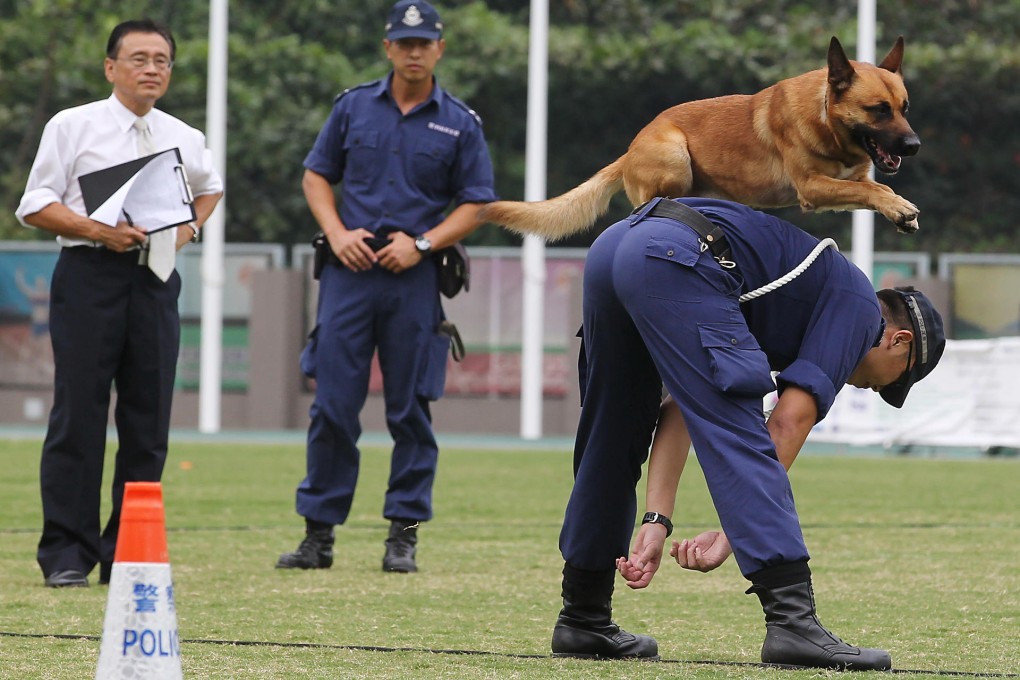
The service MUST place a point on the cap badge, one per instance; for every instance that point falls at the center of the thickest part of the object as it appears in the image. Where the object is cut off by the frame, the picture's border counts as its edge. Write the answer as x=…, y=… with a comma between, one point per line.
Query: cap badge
x=412, y=17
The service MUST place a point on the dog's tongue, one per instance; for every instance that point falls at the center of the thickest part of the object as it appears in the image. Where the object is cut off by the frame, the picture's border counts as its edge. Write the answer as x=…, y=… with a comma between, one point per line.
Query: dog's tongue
x=890, y=161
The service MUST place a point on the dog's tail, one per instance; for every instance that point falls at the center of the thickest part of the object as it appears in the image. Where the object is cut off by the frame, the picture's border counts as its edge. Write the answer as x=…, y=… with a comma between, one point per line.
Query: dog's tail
x=559, y=217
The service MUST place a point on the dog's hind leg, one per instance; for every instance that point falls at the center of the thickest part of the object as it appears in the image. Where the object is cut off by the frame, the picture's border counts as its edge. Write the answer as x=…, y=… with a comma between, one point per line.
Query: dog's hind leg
x=658, y=163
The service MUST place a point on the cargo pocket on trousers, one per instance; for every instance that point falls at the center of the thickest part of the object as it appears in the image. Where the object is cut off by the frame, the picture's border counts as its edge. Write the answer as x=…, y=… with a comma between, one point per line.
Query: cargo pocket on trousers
x=582, y=367
x=662, y=255
x=432, y=377
x=307, y=361
x=739, y=366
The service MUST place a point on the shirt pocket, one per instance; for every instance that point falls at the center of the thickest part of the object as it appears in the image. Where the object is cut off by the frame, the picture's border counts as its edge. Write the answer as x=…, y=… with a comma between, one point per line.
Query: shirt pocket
x=361, y=148
x=739, y=366
x=431, y=162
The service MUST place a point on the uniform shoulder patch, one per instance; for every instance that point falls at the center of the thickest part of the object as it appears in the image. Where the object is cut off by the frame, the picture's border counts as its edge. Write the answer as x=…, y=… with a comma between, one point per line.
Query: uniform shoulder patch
x=372, y=83
x=470, y=111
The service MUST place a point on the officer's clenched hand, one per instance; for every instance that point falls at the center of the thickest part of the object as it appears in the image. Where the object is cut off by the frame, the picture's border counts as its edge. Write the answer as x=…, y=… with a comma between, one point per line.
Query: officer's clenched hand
x=350, y=248
x=400, y=255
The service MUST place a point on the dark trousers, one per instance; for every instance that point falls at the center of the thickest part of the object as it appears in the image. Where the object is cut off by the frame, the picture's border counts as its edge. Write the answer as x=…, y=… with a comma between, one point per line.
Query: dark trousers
x=360, y=313
x=112, y=323
x=656, y=307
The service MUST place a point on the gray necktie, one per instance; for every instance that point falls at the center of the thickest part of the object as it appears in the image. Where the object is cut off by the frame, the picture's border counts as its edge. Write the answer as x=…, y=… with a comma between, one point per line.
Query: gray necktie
x=162, y=244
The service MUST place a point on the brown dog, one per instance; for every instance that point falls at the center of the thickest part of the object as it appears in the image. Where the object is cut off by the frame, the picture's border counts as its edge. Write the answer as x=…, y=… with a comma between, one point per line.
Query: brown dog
x=810, y=139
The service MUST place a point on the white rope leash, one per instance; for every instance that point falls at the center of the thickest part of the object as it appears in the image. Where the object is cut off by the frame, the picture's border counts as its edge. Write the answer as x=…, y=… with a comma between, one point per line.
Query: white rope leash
x=794, y=273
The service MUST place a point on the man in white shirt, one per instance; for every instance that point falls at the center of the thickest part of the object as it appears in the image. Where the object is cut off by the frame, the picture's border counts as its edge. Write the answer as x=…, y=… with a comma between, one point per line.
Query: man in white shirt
x=113, y=321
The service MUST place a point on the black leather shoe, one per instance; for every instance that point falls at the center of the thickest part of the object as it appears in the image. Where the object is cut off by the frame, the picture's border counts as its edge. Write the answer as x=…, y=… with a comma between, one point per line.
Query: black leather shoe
x=400, y=547
x=67, y=578
x=315, y=551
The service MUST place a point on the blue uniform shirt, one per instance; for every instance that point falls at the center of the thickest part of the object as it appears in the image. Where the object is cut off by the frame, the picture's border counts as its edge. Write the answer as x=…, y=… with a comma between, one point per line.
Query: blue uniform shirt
x=816, y=329
x=402, y=171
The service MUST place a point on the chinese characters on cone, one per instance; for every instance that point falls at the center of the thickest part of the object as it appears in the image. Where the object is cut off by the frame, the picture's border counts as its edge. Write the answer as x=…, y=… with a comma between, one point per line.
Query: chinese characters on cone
x=140, y=639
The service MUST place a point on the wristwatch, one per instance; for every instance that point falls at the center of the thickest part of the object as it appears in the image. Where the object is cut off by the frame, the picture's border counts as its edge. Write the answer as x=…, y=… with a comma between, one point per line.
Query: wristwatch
x=194, y=231
x=656, y=518
x=423, y=245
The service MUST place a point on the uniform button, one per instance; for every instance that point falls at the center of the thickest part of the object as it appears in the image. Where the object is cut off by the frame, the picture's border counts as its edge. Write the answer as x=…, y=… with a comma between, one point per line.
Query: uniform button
x=733, y=341
x=669, y=253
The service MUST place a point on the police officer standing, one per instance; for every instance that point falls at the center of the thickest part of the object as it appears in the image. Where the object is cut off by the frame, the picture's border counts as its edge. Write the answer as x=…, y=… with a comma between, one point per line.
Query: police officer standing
x=405, y=150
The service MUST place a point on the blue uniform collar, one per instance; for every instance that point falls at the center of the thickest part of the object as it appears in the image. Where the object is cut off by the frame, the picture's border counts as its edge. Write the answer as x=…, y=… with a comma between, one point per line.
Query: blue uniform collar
x=435, y=97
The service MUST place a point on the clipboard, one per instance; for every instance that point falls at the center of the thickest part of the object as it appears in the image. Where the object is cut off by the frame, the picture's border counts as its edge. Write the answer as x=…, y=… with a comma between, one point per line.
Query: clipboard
x=154, y=190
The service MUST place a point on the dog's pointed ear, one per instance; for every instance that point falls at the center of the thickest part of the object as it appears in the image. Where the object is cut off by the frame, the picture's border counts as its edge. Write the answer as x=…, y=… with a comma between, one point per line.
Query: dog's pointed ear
x=894, y=60
x=841, y=71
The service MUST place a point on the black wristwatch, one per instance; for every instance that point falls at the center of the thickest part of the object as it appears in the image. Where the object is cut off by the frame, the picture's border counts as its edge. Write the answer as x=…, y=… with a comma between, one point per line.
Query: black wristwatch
x=423, y=245
x=656, y=518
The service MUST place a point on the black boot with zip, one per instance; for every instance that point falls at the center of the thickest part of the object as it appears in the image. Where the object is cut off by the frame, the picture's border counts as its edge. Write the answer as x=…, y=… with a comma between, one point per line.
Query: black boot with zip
x=315, y=551
x=793, y=634
x=585, y=628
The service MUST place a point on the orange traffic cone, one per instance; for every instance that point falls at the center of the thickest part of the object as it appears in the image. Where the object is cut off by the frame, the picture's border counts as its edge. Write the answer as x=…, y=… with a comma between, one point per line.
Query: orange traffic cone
x=140, y=637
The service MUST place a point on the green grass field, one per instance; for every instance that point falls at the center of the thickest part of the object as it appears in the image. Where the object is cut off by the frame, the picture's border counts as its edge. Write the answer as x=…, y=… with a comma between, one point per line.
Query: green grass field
x=920, y=556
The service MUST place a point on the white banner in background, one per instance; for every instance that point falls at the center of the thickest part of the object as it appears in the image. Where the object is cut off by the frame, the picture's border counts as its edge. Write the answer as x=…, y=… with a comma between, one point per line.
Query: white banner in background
x=971, y=399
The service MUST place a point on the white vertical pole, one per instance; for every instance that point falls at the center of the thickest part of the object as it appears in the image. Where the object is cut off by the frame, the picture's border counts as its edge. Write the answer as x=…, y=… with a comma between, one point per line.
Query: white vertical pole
x=533, y=257
x=212, y=231
x=863, y=243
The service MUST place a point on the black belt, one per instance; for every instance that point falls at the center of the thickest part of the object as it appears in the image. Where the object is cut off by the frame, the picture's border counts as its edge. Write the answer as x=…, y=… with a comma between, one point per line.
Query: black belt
x=712, y=236
x=323, y=253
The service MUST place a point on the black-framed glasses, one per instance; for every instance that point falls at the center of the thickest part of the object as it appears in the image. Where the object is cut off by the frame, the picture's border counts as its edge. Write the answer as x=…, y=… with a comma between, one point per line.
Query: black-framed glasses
x=140, y=61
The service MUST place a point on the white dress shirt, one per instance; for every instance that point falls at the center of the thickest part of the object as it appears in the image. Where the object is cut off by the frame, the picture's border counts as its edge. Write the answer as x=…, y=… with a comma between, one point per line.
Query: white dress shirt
x=98, y=135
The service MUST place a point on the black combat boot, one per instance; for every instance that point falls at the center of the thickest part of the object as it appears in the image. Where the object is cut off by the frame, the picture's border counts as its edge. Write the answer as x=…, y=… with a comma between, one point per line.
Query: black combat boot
x=315, y=551
x=793, y=634
x=400, y=547
x=585, y=628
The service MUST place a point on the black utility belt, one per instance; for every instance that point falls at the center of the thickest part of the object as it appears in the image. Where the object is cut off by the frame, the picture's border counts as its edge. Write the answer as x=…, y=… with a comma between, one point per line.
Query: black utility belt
x=452, y=263
x=322, y=253
x=377, y=242
x=712, y=236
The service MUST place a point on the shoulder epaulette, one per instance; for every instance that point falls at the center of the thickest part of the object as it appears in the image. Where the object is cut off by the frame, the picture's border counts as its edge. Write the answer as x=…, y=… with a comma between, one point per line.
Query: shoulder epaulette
x=478, y=119
x=371, y=83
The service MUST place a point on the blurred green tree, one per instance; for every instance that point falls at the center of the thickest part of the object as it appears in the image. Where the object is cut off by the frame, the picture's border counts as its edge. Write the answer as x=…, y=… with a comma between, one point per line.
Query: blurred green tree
x=613, y=66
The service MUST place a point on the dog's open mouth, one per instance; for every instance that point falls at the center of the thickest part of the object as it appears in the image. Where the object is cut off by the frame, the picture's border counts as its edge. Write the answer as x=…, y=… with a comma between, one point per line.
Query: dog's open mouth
x=884, y=161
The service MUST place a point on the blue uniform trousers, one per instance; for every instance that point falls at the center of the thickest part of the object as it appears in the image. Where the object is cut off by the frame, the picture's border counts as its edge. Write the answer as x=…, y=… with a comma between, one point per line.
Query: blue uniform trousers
x=656, y=307
x=358, y=313
x=112, y=322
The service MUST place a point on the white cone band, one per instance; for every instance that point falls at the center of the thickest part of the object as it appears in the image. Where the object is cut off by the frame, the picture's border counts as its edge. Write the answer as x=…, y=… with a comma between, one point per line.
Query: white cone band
x=140, y=638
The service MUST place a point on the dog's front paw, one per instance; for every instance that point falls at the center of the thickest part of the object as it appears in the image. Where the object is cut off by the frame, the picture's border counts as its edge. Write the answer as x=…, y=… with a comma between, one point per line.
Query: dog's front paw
x=903, y=214
x=908, y=226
